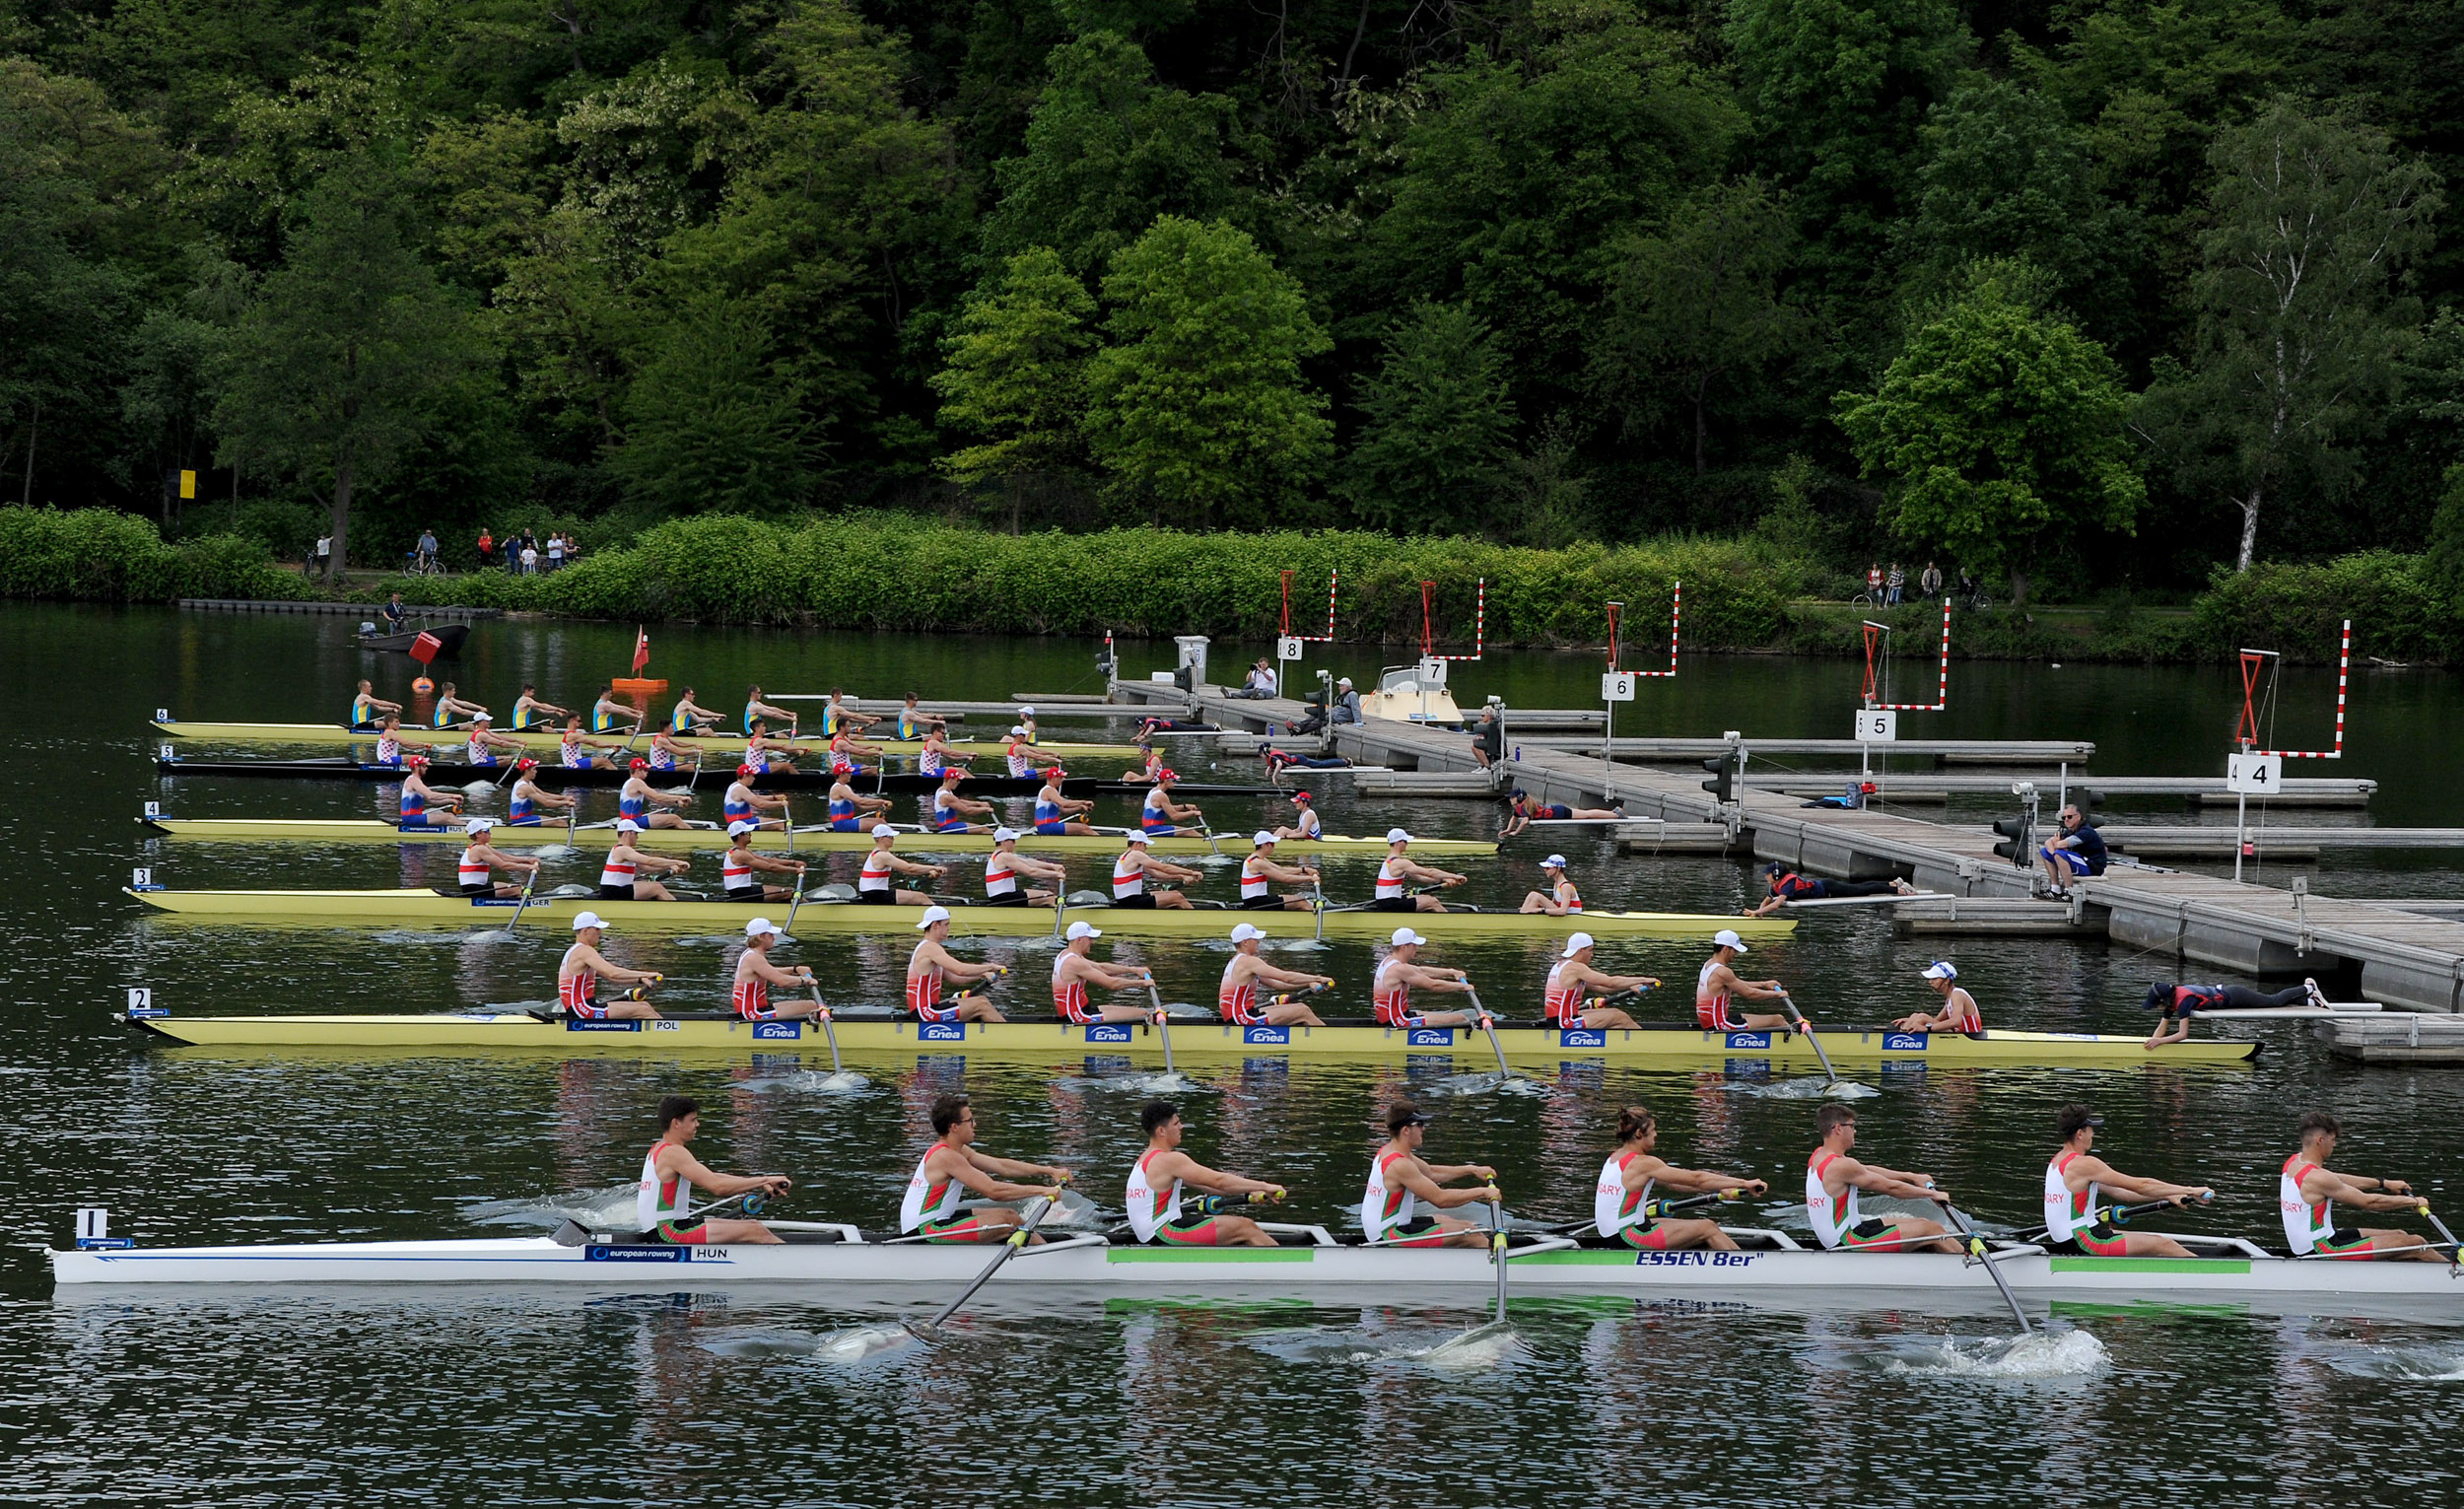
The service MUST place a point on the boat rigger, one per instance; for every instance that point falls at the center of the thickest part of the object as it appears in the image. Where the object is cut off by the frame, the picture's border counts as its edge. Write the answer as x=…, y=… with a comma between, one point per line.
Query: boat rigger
x=550, y=738
x=352, y=830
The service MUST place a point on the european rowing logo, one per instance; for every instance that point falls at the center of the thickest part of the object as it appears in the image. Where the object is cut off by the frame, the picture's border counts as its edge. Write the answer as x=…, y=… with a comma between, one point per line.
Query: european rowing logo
x=941, y=1032
x=1749, y=1039
x=1582, y=1037
x=1108, y=1032
x=778, y=1029
x=595, y=1024
x=1903, y=1042
x=1430, y=1037
x=1265, y=1034
x=662, y=1253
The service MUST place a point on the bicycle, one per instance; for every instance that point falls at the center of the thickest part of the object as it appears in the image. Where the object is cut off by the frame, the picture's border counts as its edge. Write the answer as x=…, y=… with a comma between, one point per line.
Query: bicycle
x=423, y=565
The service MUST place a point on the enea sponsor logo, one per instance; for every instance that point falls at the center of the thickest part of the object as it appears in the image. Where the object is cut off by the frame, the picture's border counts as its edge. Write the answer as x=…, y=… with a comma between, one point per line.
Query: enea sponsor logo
x=589, y=1024
x=662, y=1253
x=941, y=1032
x=1265, y=1034
x=1904, y=1042
x=1583, y=1037
x=1430, y=1037
x=762, y=1030
x=1108, y=1032
x=1760, y=1040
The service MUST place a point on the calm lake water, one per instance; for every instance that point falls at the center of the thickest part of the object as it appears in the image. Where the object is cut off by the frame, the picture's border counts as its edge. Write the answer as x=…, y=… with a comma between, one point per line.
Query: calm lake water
x=530, y=1399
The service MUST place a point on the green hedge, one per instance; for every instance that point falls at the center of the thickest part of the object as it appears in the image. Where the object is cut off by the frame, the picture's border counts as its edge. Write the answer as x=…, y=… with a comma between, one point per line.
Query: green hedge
x=97, y=555
x=2396, y=612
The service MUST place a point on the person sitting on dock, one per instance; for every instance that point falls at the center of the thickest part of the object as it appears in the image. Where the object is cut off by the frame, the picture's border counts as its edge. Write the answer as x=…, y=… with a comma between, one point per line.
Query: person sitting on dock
x=1567, y=1001
x=1237, y=997
x=1958, y=1012
x=611, y=714
x=2077, y=850
x=740, y=866
x=1717, y=990
x=530, y=713
x=1347, y=707
x=1153, y=1196
x=740, y=803
x=756, y=710
x=837, y=717
x=1621, y=1205
x=688, y=719
x=1561, y=899
x=1398, y=868
x=945, y=811
x=620, y=873
x=417, y=797
x=1305, y=823
x=1833, y=1180
x=2076, y=1176
x=577, y=980
x=849, y=812
x=1400, y=1182
x=1259, y=873
x=913, y=723
x=530, y=800
x=367, y=708
x=755, y=975
x=1787, y=885
x=452, y=710
x=390, y=743
x=1400, y=973
x=1489, y=738
x=951, y=1169
x=1523, y=811
x=1136, y=867
x=2306, y=1192
x=2178, y=1003
x=484, y=741
x=1161, y=814
x=671, y=1173
x=573, y=746
x=1004, y=866
x=873, y=885
x=1075, y=970
x=480, y=860
x=647, y=804
x=932, y=966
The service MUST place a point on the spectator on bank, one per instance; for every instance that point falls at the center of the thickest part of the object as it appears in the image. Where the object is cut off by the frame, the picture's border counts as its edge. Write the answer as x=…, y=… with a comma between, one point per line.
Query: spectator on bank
x=1898, y=580
x=324, y=553
x=556, y=551
x=428, y=546
x=1873, y=580
x=1929, y=585
x=487, y=542
x=531, y=558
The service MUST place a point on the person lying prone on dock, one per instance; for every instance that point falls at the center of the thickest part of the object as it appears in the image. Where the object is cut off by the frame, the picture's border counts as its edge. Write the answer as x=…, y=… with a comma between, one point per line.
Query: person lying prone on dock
x=1786, y=887
x=2176, y=1004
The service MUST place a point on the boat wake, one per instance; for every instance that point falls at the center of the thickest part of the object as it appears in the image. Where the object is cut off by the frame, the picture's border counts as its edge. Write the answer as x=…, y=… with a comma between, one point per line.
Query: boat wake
x=1461, y=1352
x=760, y=1344
x=813, y=1081
x=2403, y=1364
x=608, y=1209
x=2038, y=1354
x=859, y=1345
x=1800, y=1089
x=1459, y=1086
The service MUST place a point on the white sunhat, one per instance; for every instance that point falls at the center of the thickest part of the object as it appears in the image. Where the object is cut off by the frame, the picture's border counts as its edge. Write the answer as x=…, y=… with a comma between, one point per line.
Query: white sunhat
x=481, y=718
x=1727, y=938
x=1397, y=836
x=1080, y=930
x=1941, y=969
x=1026, y=711
x=1135, y=836
x=1262, y=836
x=482, y=824
x=1576, y=943
x=1342, y=681
x=740, y=827
x=626, y=825
x=1553, y=861
x=884, y=831
x=588, y=920
x=934, y=915
x=1018, y=728
x=1004, y=835
x=1404, y=937
x=761, y=924
x=1245, y=931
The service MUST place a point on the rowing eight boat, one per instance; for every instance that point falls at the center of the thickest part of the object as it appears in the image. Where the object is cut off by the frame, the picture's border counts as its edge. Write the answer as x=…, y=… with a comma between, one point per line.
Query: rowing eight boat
x=550, y=738
x=347, y=830
x=710, y=777
x=1669, y=1047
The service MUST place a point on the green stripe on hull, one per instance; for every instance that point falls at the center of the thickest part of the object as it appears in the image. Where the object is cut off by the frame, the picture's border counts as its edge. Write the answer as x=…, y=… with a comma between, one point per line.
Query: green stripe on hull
x=1208, y=1255
x=1577, y=1258
x=2152, y=1265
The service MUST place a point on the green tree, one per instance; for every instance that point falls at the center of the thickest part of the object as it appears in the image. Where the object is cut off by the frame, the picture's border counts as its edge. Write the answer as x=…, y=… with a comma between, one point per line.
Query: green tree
x=1016, y=372
x=327, y=370
x=2300, y=323
x=1197, y=406
x=1438, y=426
x=1998, y=430
x=709, y=428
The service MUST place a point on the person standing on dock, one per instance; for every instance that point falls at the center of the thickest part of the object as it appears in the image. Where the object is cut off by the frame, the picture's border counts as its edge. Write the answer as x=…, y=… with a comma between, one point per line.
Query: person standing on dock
x=1075, y=970
x=849, y=812
x=1401, y=973
x=873, y=885
x=1136, y=867
x=366, y=709
x=689, y=718
x=1305, y=823
x=529, y=801
x=2077, y=850
x=578, y=974
x=530, y=713
x=1398, y=868
x=1004, y=866
x=932, y=966
x=1958, y=1012
x=1236, y=996
x=1161, y=814
x=756, y=710
x=1833, y=1179
x=2307, y=1192
x=480, y=860
x=1561, y=899
x=951, y=1169
x=945, y=811
x=1260, y=873
x=2176, y=1004
x=1717, y=989
x=1400, y=1182
x=1786, y=887
x=740, y=867
x=2076, y=1176
x=645, y=803
x=1153, y=1196
x=1622, y=1204
x=755, y=975
x=1567, y=999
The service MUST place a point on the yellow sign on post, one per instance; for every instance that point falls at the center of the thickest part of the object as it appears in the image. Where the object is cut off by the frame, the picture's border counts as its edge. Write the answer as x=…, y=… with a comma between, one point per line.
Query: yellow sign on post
x=187, y=484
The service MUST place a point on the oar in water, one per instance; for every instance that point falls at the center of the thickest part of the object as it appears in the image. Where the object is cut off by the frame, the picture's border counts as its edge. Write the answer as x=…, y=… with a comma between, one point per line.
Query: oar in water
x=1976, y=1253
x=1317, y=895
x=1805, y=1027
x=1490, y=1027
x=821, y=1014
x=786, y=819
x=1163, y=1030
x=931, y=1330
x=1498, y=1250
x=525, y=904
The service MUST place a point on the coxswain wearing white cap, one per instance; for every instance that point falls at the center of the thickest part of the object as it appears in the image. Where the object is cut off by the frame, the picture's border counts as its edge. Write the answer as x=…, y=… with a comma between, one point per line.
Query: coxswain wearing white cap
x=620, y=875
x=1573, y=986
x=873, y=885
x=577, y=979
x=1074, y=970
x=1026, y=721
x=1401, y=973
x=481, y=859
x=1717, y=989
x=1958, y=1012
x=484, y=741
x=755, y=975
x=741, y=868
x=1005, y=872
x=930, y=967
x=1239, y=997
x=945, y=811
x=417, y=797
x=1135, y=868
x=1305, y=825
x=647, y=804
x=1561, y=899
x=742, y=805
x=1397, y=870
x=1260, y=871
x=1160, y=813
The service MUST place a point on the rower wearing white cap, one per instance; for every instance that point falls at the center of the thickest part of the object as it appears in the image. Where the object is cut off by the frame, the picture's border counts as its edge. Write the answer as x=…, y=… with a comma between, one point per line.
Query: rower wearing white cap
x=755, y=975
x=849, y=811
x=1717, y=989
x=1401, y=973
x=1398, y=868
x=481, y=859
x=1571, y=980
x=930, y=967
x=742, y=805
x=1958, y=1012
x=1056, y=813
x=1004, y=866
x=873, y=885
x=1075, y=970
x=1305, y=823
x=1019, y=753
x=1136, y=867
x=647, y=804
x=948, y=812
x=577, y=979
x=1258, y=872
x=1561, y=899
x=1237, y=996
x=739, y=868
x=484, y=741
x=1160, y=813
x=620, y=875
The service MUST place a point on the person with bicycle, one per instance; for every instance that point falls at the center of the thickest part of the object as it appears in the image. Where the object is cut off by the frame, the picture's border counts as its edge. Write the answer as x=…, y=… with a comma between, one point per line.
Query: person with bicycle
x=1873, y=583
x=425, y=560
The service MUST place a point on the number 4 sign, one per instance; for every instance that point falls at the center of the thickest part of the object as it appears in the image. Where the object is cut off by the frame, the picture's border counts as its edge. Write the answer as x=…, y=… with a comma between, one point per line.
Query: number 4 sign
x=2254, y=775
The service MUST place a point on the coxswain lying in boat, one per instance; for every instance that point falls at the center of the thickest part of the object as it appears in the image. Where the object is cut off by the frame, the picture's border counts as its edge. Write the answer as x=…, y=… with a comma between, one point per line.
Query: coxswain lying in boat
x=740, y=803
x=1259, y=873
x=481, y=859
x=2176, y=1004
x=1958, y=1012
x=951, y=1169
x=1398, y=868
x=1161, y=814
x=2306, y=1191
x=1833, y=1180
x=418, y=797
x=484, y=741
x=1305, y=823
x=1004, y=866
x=1575, y=996
x=945, y=811
x=452, y=710
x=390, y=743
x=741, y=868
x=670, y=1175
x=755, y=975
x=648, y=806
x=530, y=713
x=1622, y=1209
x=873, y=886
x=1787, y=885
x=1238, y=997
x=1717, y=989
x=1523, y=811
x=1401, y=973
x=1156, y=1181
x=530, y=800
x=620, y=875
x=1075, y=970
x=1056, y=813
x=930, y=967
x=849, y=811
x=577, y=980
x=574, y=747
x=690, y=718
x=1561, y=899
x=367, y=708
x=1400, y=1182
x=2075, y=1176
x=1136, y=867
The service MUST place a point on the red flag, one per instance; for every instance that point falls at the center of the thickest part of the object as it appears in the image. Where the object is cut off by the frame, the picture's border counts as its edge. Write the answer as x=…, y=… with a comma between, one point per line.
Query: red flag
x=641, y=648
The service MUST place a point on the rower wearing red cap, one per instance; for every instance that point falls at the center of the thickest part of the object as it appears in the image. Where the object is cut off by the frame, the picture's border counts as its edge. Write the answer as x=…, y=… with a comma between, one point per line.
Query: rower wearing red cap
x=530, y=800
x=646, y=806
x=1056, y=813
x=416, y=797
x=945, y=811
x=743, y=805
x=1305, y=824
x=849, y=812
x=1159, y=816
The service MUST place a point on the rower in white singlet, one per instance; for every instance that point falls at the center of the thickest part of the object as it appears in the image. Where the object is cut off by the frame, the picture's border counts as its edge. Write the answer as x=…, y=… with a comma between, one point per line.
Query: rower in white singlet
x=670, y=1174
x=951, y=1169
x=1260, y=873
x=1248, y=971
x=1575, y=990
x=1400, y=1182
x=579, y=973
x=476, y=871
x=1305, y=823
x=1154, y=1193
x=1006, y=872
x=1717, y=990
x=1400, y=973
x=620, y=873
x=1622, y=1210
x=2075, y=1176
x=1075, y=970
x=1561, y=899
x=931, y=967
x=1397, y=870
x=1136, y=867
x=741, y=867
x=1958, y=1011
x=876, y=884
x=1832, y=1180
x=2306, y=1191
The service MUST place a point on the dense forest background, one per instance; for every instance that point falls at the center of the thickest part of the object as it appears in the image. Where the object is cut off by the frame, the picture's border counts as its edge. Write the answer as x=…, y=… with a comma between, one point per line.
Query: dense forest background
x=2099, y=294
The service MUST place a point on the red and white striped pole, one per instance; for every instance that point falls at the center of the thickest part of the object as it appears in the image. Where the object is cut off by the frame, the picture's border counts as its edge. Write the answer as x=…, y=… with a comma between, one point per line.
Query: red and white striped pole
x=1677, y=605
x=1942, y=685
x=2344, y=677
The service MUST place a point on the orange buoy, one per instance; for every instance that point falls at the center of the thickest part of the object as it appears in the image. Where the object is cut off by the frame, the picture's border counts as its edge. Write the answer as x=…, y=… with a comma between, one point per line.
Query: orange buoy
x=424, y=687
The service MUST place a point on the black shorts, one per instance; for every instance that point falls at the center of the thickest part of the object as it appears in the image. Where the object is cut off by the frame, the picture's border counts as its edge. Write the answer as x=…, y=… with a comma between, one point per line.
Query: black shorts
x=616, y=893
x=754, y=892
x=1014, y=899
x=481, y=888
x=1395, y=904
x=1263, y=903
x=878, y=898
x=1141, y=901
